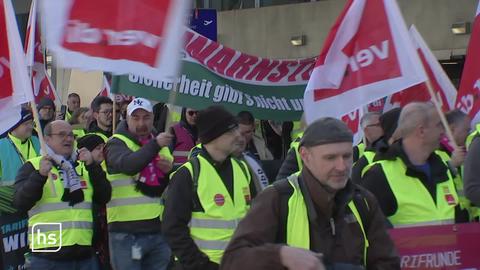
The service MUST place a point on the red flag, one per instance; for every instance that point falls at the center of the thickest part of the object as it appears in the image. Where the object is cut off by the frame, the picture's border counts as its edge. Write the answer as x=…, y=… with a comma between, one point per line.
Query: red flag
x=367, y=55
x=441, y=84
x=352, y=120
x=105, y=91
x=41, y=83
x=142, y=37
x=14, y=86
x=468, y=98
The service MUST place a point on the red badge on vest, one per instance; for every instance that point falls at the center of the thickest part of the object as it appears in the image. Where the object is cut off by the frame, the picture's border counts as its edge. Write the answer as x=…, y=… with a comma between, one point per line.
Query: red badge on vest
x=219, y=199
x=83, y=184
x=449, y=197
x=54, y=176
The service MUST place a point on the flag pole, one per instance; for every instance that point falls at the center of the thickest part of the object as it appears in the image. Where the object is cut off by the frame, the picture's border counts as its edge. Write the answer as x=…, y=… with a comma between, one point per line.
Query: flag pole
x=43, y=145
x=448, y=131
x=114, y=115
x=171, y=100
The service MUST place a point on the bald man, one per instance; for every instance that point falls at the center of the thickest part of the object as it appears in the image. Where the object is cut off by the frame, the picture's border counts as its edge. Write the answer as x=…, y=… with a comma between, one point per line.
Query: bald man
x=411, y=181
x=57, y=191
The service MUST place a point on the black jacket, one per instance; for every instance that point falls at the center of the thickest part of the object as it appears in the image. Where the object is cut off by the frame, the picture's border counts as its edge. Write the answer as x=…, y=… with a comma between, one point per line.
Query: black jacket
x=379, y=146
x=120, y=159
x=376, y=182
x=29, y=189
x=179, y=206
x=289, y=165
x=94, y=128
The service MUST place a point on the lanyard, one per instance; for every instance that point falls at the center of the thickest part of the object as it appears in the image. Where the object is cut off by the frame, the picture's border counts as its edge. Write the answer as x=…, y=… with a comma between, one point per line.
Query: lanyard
x=18, y=151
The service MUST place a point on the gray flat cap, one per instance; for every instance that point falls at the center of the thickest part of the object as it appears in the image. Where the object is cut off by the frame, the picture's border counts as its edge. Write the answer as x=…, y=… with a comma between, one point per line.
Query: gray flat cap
x=326, y=130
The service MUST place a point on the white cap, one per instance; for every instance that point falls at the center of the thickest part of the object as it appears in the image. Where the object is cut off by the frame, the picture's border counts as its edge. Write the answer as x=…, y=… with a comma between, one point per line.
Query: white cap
x=139, y=103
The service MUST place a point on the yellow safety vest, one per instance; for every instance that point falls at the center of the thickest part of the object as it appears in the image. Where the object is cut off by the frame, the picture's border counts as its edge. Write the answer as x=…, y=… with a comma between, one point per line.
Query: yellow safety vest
x=128, y=204
x=415, y=206
x=472, y=135
x=294, y=146
x=361, y=149
x=78, y=132
x=212, y=229
x=50, y=211
x=298, y=231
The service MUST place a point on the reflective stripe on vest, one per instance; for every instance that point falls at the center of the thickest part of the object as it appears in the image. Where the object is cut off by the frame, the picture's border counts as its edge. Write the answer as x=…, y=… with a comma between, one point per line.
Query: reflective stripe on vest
x=57, y=206
x=298, y=231
x=127, y=203
x=184, y=143
x=76, y=220
x=212, y=229
x=427, y=223
x=64, y=225
x=415, y=205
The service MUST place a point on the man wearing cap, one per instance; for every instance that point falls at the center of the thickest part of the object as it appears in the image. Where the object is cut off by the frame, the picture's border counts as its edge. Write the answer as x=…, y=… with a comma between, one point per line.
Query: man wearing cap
x=15, y=149
x=208, y=195
x=316, y=218
x=138, y=162
x=46, y=111
x=95, y=145
x=58, y=190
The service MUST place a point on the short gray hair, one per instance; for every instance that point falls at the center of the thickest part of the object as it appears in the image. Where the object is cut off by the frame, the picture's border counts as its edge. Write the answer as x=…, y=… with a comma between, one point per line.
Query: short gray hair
x=367, y=118
x=413, y=115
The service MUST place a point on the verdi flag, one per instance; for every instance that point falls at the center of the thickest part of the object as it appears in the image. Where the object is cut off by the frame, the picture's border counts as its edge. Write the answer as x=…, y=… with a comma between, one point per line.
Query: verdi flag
x=35, y=58
x=468, y=98
x=442, y=86
x=14, y=87
x=367, y=55
x=119, y=36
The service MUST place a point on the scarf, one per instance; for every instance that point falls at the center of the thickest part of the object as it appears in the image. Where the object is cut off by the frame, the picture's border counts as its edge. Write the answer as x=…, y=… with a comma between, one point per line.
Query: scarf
x=71, y=181
x=151, y=181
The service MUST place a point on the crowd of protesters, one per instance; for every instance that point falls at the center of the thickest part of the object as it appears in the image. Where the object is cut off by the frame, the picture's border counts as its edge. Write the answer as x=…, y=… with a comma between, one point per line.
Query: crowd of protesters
x=213, y=189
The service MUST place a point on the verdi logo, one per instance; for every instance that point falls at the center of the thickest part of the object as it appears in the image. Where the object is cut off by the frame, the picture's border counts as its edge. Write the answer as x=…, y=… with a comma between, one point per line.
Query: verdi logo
x=45, y=235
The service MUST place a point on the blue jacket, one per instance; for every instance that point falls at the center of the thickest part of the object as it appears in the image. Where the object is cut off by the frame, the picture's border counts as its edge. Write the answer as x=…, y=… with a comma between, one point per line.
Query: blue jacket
x=10, y=162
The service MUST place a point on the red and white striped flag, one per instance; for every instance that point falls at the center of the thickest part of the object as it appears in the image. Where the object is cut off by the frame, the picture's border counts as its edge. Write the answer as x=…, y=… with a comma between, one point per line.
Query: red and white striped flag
x=367, y=55
x=105, y=91
x=442, y=86
x=119, y=36
x=352, y=120
x=35, y=58
x=468, y=98
x=14, y=87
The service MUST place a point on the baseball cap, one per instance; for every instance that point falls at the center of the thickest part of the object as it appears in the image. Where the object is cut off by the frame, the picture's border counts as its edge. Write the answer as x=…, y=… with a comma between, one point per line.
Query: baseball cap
x=139, y=103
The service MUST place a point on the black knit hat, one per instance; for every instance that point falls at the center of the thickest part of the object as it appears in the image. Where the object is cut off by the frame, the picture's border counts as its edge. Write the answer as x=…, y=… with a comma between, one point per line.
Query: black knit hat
x=213, y=122
x=25, y=116
x=326, y=130
x=389, y=121
x=89, y=141
x=45, y=101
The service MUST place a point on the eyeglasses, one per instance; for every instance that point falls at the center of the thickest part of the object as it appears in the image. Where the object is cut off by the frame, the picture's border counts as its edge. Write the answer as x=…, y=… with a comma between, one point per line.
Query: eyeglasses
x=109, y=112
x=192, y=113
x=63, y=135
x=374, y=125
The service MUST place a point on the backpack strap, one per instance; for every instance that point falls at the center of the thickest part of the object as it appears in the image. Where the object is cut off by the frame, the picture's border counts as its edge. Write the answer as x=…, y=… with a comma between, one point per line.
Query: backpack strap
x=196, y=172
x=284, y=190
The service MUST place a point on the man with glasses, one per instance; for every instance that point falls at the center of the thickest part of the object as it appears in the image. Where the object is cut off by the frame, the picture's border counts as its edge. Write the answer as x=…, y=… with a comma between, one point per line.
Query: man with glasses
x=372, y=131
x=58, y=190
x=16, y=147
x=102, y=108
x=208, y=195
x=46, y=111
